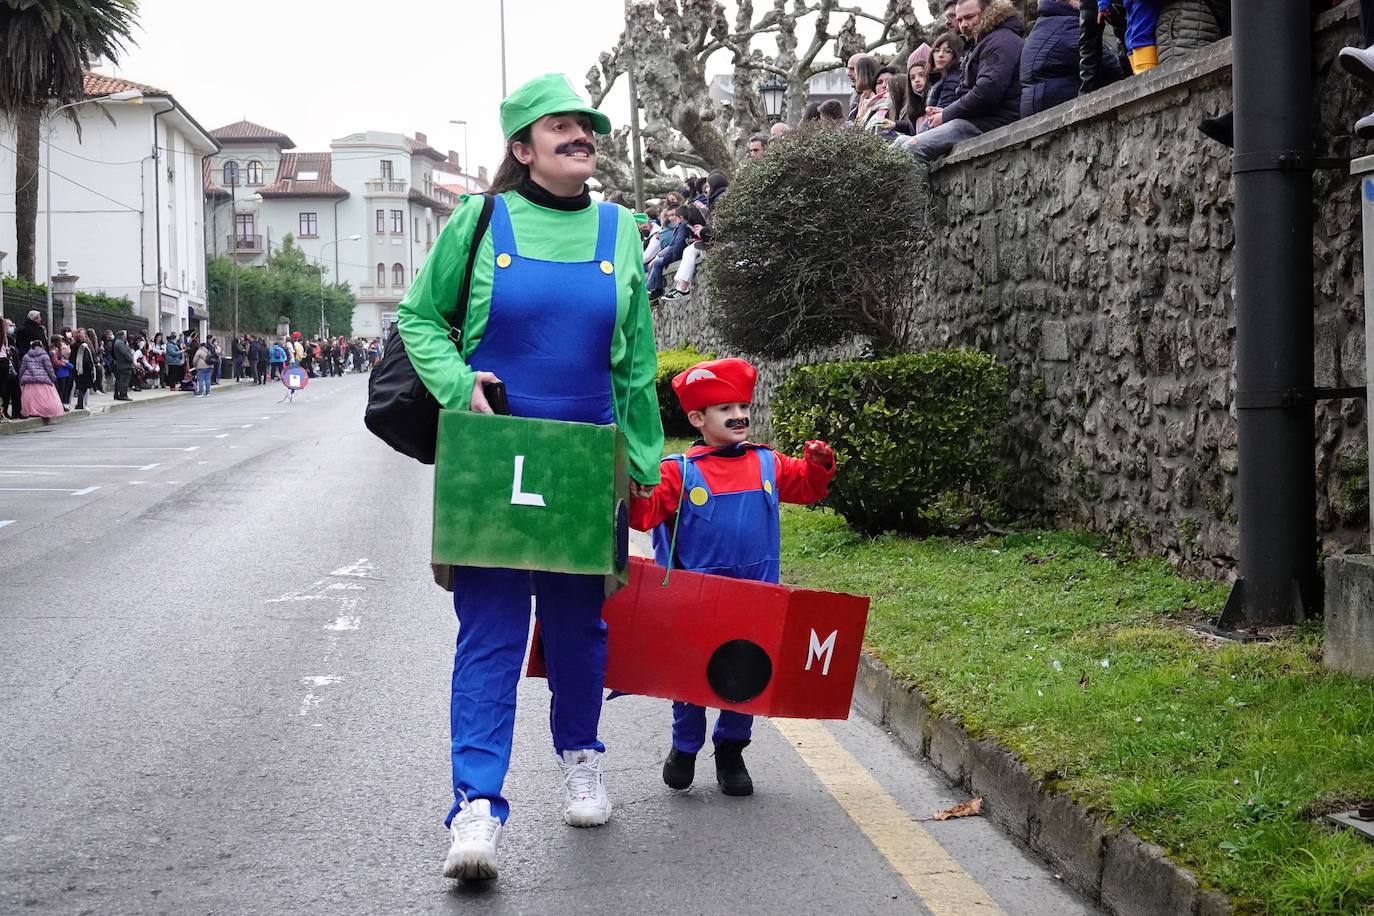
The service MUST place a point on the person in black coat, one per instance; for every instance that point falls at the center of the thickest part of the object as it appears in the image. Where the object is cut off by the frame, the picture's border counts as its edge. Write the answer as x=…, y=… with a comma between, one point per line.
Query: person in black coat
x=32, y=329
x=943, y=79
x=1050, y=70
x=990, y=90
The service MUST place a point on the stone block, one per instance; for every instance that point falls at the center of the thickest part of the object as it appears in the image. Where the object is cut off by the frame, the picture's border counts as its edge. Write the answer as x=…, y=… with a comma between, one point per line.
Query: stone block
x=871, y=689
x=1071, y=839
x=908, y=718
x=1139, y=880
x=948, y=748
x=1348, y=632
x=1213, y=903
x=1054, y=341
x=1008, y=789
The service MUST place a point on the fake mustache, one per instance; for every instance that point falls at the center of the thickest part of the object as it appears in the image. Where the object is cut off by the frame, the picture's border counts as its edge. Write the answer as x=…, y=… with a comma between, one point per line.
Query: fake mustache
x=564, y=149
x=741, y=423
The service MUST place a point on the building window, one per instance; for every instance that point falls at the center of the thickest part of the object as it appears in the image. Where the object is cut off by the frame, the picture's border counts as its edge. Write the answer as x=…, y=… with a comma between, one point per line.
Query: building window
x=254, y=172
x=243, y=230
x=417, y=227
x=381, y=222
x=386, y=168
x=381, y=275
x=398, y=275
x=309, y=227
x=398, y=222
x=429, y=233
x=231, y=174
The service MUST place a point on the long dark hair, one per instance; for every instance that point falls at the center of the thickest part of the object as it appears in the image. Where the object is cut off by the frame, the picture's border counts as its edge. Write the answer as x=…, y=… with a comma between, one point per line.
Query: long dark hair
x=956, y=47
x=915, y=107
x=866, y=74
x=898, y=92
x=512, y=173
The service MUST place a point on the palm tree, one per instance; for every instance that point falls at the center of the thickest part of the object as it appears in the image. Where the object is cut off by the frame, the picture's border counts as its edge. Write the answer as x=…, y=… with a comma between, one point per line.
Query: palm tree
x=46, y=47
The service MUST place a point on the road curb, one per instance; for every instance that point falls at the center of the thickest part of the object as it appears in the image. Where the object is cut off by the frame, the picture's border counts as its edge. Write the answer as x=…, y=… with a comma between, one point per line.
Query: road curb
x=19, y=426
x=1110, y=865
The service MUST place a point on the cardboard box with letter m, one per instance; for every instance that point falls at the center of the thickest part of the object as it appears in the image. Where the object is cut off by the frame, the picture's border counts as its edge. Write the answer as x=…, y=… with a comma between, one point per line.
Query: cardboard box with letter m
x=753, y=647
x=530, y=494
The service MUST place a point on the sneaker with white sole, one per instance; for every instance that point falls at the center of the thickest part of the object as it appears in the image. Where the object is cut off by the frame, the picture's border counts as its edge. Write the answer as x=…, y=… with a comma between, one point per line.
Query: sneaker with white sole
x=476, y=834
x=585, y=803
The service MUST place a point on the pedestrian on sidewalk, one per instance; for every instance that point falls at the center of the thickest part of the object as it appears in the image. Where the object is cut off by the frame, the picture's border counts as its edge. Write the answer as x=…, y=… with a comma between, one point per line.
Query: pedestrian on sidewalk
x=238, y=353
x=175, y=357
x=278, y=358
x=9, y=372
x=123, y=366
x=728, y=526
x=216, y=358
x=83, y=367
x=203, y=365
x=589, y=360
x=38, y=383
x=62, y=368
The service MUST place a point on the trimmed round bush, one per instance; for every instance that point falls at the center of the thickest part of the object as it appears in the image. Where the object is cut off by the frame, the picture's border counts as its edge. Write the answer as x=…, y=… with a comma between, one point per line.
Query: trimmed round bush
x=915, y=435
x=670, y=363
x=816, y=243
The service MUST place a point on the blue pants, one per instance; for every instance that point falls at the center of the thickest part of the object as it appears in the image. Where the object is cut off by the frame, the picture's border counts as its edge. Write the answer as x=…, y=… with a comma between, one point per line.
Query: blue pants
x=493, y=607
x=655, y=279
x=203, y=381
x=689, y=727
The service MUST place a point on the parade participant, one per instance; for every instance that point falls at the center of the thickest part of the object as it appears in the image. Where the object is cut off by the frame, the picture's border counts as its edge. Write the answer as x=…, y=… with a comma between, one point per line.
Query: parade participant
x=716, y=511
x=558, y=312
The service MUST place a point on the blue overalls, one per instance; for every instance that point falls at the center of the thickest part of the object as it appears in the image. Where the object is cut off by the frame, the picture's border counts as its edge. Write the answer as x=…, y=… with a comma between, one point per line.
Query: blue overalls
x=548, y=337
x=730, y=534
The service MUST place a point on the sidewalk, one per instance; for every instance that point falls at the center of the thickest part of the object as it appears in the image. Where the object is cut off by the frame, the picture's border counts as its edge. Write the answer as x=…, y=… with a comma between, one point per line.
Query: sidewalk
x=105, y=403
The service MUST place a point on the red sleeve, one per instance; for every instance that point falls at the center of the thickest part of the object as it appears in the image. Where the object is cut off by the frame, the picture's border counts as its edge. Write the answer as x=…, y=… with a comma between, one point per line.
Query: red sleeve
x=800, y=481
x=647, y=514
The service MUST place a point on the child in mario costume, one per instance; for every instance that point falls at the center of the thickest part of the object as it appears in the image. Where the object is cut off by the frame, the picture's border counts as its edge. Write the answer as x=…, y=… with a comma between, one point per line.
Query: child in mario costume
x=716, y=511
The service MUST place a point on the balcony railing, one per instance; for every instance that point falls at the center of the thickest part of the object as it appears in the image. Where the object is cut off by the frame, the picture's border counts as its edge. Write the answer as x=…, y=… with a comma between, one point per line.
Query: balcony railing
x=245, y=244
x=380, y=292
x=386, y=184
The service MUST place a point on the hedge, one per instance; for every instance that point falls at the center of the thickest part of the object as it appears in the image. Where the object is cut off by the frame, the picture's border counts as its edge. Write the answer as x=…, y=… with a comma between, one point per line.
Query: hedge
x=670, y=363
x=916, y=435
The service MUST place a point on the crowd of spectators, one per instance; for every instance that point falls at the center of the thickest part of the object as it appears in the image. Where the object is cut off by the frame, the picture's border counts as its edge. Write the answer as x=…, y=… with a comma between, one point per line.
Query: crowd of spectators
x=679, y=231
x=41, y=374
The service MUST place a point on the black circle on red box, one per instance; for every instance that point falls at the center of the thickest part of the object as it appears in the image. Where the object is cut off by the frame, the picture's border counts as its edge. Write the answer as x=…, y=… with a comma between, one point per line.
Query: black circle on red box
x=739, y=670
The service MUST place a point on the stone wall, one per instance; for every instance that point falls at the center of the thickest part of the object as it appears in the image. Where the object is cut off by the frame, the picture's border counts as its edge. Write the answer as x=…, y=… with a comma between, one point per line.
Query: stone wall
x=1090, y=248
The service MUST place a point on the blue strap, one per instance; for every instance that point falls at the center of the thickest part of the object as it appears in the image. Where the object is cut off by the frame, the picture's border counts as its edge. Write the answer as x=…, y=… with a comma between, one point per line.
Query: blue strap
x=502, y=236
x=608, y=220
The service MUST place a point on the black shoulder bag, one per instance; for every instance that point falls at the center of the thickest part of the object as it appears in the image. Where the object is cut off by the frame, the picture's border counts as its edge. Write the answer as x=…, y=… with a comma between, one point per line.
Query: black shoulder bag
x=400, y=410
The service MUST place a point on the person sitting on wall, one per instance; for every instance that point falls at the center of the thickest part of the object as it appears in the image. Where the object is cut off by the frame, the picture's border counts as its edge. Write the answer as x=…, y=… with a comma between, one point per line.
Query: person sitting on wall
x=715, y=510
x=1050, y=65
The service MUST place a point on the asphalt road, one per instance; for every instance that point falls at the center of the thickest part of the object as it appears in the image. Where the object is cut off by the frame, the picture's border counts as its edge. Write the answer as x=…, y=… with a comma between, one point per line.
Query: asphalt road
x=224, y=689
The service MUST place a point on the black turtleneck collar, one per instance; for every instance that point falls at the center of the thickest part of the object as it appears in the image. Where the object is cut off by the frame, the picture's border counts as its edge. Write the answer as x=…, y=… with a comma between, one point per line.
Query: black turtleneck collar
x=537, y=194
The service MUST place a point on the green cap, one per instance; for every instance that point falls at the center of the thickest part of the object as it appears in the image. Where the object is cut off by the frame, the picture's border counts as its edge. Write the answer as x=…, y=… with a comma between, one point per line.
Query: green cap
x=641, y=217
x=552, y=93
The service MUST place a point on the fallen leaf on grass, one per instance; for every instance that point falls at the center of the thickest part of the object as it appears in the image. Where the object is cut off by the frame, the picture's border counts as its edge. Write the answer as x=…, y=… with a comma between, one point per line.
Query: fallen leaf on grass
x=970, y=808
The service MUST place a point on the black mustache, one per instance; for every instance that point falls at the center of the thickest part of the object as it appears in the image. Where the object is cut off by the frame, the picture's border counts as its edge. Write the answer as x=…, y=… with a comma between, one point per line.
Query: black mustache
x=742, y=423
x=564, y=148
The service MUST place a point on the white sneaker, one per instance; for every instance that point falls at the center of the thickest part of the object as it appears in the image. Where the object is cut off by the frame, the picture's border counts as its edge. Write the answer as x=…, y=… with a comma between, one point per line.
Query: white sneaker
x=476, y=834
x=585, y=803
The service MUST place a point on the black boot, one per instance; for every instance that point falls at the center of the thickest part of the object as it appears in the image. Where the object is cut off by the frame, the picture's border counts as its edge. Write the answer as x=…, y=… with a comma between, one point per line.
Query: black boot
x=679, y=769
x=730, y=770
x=1222, y=128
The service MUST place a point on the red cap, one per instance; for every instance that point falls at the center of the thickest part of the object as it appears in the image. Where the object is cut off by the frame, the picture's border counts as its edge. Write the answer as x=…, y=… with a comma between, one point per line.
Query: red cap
x=295, y=335
x=715, y=381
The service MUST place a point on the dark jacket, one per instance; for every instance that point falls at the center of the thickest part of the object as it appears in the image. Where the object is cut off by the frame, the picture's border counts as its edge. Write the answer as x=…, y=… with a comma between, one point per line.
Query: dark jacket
x=257, y=353
x=990, y=91
x=36, y=368
x=123, y=356
x=27, y=333
x=945, y=90
x=83, y=366
x=1049, y=61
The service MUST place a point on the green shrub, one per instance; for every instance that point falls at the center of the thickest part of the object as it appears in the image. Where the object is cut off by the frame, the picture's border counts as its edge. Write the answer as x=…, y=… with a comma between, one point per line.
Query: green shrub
x=915, y=435
x=670, y=363
x=121, y=304
x=817, y=242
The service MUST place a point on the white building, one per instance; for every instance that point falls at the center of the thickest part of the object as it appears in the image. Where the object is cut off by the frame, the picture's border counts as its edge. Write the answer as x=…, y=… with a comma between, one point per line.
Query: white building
x=383, y=187
x=127, y=202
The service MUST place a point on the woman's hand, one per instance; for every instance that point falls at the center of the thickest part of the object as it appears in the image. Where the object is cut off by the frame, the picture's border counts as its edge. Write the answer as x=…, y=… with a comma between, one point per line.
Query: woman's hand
x=641, y=490
x=478, y=402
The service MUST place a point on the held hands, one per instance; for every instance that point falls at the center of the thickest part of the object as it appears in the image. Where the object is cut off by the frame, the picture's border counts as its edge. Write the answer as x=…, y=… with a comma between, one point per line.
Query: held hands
x=935, y=116
x=820, y=454
x=641, y=490
x=478, y=402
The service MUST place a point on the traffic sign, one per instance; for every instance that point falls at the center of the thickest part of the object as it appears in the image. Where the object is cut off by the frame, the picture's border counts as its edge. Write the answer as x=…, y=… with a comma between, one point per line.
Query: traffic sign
x=295, y=378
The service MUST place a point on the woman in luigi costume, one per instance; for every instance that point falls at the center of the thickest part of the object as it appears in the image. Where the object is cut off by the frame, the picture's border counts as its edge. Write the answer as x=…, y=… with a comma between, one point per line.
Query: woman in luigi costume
x=558, y=311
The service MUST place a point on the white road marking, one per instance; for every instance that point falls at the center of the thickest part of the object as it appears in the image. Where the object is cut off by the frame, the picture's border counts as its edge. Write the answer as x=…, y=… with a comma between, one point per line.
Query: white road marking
x=30, y=473
x=246, y=426
x=362, y=569
x=346, y=587
x=85, y=491
x=10, y=521
x=136, y=467
x=132, y=448
x=346, y=622
x=67, y=490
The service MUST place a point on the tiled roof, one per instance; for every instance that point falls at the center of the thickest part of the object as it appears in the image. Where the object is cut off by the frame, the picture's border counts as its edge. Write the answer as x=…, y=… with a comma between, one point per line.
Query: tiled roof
x=292, y=164
x=248, y=132
x=97, y=84
x=418, y=148
x=415, y=197
x=212, y=190
x=471, y=185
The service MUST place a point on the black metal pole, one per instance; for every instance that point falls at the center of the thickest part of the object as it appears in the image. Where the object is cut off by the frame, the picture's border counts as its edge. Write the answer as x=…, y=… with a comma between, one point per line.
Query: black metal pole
x=1274, y=316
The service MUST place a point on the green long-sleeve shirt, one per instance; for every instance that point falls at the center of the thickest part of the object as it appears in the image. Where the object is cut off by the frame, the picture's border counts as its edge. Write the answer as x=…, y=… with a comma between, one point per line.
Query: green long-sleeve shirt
x=548, y=235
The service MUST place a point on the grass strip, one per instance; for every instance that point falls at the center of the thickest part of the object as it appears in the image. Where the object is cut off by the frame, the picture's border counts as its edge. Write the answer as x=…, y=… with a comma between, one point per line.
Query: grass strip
x=1077, y=657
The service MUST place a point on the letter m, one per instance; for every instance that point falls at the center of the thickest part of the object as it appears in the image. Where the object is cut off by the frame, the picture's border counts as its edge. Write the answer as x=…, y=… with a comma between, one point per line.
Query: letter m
x=821, y=651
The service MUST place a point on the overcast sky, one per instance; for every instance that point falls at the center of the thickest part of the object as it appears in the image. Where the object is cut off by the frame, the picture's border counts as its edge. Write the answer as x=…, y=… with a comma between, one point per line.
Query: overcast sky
x=317, y=71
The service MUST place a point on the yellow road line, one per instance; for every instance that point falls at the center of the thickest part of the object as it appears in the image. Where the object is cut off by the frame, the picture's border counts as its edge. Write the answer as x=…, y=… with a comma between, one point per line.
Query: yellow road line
x=941, y=883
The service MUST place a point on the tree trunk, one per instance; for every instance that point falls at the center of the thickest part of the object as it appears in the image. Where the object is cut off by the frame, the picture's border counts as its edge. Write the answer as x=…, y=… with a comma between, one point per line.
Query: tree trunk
x=26, y=181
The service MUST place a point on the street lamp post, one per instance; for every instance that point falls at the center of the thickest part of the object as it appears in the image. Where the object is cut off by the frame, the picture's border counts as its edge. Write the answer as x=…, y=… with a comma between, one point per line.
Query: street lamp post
x=773, y=91
x=347, y=238
x=234, y=247
x=133, y=96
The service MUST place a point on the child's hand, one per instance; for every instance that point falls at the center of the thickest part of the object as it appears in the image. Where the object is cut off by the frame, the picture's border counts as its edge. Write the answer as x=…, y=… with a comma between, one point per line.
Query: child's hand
x=820, y=454
x=641, y=490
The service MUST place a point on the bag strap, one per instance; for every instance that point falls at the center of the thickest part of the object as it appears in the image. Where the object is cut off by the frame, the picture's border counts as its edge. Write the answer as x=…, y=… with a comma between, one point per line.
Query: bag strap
x=455, y=329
